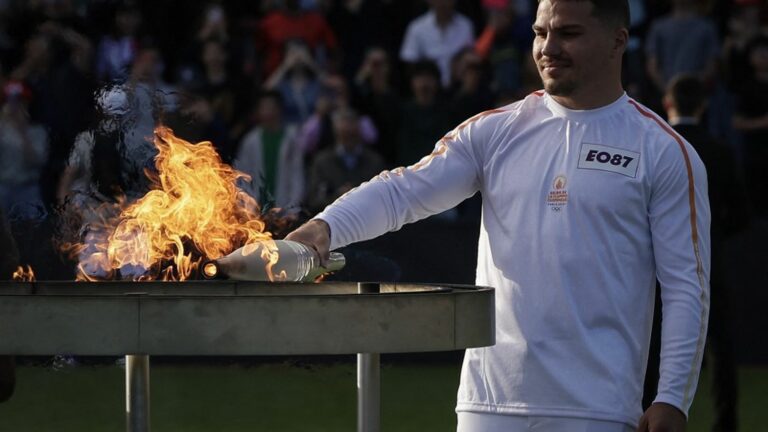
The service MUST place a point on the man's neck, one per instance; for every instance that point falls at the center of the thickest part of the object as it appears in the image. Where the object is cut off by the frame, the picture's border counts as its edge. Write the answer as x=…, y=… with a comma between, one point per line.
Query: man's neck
x=379, y=84
x=586, y=100
x=216, y=74
x=348, y=148
x=443, y=19
x=271, y=127
x=424, y=100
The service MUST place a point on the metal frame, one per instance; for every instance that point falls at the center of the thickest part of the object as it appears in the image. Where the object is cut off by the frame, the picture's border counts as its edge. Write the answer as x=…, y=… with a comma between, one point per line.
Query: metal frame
x=137, y=393
x=204, y=318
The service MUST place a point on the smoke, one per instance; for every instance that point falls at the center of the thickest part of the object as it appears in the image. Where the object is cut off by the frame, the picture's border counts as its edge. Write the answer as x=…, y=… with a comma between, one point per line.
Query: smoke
x=109, y=167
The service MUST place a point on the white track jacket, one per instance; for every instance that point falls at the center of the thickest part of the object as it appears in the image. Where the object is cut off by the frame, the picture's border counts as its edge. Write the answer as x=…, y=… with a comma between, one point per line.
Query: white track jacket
x=582, y=212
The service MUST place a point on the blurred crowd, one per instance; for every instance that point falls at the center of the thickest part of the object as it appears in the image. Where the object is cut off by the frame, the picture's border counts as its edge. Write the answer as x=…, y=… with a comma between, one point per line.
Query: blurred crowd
x=312, y=97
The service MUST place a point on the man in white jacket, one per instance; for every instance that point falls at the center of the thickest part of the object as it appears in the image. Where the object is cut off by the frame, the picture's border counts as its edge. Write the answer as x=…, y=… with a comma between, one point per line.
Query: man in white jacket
x=270, y=155
x=588, y=198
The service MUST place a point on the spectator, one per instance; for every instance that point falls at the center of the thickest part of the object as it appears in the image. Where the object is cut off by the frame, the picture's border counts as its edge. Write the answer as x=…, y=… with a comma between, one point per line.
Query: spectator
x=743, y=26
x=437, y=36
x=633, y=70
x=217, y=86
x=379, y=99
x=751, y=120
x=23, y=153
x=56, y=69
x=96, y=172
x=471, y=94
x=195, y=120
x=31, y=15
x=336, y=170
x=107, y=166
x=318, y=132
x=117, y=51
x=358, y=24
x=289, y=23
x=504, y=44
x=270, y=155
x=196, y=55
x=682, y=41
x=297, y=80
x=424, y=119
x=215, y=25
x=149, y=96
x=685, y=104
x=110, y=158
x=147, y=70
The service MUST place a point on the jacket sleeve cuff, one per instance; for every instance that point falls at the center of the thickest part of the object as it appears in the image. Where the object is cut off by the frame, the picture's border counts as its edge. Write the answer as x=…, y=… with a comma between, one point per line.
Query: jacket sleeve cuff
x=671, y=400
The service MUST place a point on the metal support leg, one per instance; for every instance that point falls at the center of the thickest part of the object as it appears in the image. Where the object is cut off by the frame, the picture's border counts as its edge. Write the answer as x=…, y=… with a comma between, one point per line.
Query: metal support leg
x=368, y=393
x=137, y=393
x=368, y=382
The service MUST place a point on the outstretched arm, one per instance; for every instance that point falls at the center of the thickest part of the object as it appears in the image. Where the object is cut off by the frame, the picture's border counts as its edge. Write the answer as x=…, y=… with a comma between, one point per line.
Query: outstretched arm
x=437, y=183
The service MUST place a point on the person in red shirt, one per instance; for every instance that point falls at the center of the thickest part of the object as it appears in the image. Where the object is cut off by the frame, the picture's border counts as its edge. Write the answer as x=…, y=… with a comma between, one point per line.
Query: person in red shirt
x=290, y=23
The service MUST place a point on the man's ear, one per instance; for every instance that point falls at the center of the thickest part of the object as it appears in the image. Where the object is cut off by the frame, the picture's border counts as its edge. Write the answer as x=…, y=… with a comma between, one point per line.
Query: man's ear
x=620, y=41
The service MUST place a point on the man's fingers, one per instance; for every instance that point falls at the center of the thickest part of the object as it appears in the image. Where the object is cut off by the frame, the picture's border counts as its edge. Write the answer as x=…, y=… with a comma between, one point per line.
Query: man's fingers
x=323, y=256
x=643, y=426
x=316, y=235
x=662, y=417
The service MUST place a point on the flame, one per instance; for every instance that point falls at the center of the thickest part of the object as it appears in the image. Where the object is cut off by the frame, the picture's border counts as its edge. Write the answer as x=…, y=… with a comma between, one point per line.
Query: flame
x=194, y=212
x=24, y=275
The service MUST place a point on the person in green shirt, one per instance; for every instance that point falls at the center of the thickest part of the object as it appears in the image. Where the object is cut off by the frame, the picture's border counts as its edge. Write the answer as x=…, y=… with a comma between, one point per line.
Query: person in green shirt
x=270, y=155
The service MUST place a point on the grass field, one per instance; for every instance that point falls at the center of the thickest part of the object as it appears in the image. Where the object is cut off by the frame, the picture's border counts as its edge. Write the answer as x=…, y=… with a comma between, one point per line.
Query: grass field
x=278, y=397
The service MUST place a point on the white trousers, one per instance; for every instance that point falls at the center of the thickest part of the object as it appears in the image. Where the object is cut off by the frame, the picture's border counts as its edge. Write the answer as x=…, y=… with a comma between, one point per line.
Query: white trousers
x=485, y=422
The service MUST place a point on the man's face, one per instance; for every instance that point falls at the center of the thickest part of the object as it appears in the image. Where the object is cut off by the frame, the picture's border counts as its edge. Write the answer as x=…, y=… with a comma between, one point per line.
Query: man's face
x=347, y=131
x=269, y=111
x=424, y=86
x=214, y=54
x=572, y=48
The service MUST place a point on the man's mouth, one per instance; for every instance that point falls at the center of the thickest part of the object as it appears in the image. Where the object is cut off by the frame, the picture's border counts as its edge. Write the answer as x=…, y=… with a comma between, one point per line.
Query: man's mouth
x=548, y=64
x=553, y=68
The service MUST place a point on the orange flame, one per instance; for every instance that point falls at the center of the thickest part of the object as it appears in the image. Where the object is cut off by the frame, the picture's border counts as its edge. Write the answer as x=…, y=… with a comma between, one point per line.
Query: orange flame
x=24, y=275
x=194, y=211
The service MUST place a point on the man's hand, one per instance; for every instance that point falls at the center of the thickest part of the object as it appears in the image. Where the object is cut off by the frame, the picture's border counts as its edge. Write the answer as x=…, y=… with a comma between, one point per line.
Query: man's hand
x=662, y=417
x=315, y=234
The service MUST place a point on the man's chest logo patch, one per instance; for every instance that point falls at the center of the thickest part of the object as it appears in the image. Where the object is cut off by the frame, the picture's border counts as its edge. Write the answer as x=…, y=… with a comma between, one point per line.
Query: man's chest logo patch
x=605, y=158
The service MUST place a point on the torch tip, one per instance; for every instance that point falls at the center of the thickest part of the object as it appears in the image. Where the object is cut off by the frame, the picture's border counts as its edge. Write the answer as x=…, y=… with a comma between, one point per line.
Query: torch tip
x=210, y=270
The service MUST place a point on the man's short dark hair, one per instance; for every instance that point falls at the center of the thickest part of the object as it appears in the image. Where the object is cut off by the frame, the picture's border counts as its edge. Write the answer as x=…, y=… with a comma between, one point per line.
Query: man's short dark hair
x=687, y=94
x=610, y=11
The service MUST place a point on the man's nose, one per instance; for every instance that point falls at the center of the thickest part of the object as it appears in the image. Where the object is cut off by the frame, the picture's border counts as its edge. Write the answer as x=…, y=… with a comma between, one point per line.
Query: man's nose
x=551, y=46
